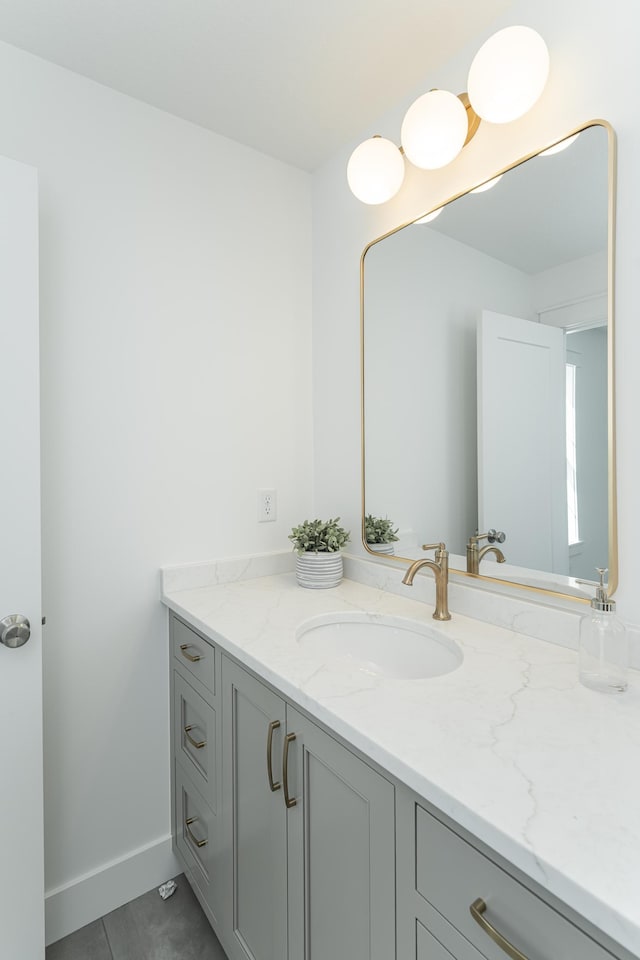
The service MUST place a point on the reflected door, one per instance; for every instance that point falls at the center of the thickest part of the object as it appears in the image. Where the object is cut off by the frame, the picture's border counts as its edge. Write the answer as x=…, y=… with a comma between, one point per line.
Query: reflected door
x=522, y=477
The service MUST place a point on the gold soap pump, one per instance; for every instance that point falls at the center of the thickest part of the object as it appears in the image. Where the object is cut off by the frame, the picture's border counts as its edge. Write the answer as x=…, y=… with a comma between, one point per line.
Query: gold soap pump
x=603, y=645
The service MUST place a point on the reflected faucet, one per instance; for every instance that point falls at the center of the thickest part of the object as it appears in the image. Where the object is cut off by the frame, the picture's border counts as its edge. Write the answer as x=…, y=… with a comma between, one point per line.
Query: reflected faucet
x=475, y=554
x=440, y=567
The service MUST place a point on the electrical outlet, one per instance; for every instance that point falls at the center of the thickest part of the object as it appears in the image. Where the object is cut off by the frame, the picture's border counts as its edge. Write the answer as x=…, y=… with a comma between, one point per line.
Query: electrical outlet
x=267, y=505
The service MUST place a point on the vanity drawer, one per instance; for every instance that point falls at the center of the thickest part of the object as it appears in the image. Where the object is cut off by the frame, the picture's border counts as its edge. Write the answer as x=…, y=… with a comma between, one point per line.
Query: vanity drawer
x=194, y=653
x=195, y=737
x=452, y=875
x=196, y=838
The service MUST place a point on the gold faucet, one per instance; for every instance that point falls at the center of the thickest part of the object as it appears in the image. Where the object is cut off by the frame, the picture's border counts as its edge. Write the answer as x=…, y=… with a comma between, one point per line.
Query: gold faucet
x=440, y=567
x=475, y=555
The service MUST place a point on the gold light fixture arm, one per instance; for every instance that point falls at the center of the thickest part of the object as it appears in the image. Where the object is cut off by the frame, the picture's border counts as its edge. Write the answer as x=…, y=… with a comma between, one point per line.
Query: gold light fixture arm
x=473, y=120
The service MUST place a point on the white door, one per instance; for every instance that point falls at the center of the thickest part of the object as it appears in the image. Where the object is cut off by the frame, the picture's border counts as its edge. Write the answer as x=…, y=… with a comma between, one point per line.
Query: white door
x=522, y=472
x=21, y=811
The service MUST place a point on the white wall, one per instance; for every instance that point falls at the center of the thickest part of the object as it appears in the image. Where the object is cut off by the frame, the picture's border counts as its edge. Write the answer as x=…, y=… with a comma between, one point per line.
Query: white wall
x=557, y=289
x=175, y=316
x=425, y=289
x=593, y=54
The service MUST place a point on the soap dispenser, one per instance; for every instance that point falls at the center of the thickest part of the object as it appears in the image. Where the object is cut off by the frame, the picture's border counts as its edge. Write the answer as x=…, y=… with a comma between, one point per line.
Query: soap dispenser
x=604, y=646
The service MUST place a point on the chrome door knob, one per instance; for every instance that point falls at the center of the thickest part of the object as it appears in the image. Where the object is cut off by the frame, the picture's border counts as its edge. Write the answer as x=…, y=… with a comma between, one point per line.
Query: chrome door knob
x=14, y=630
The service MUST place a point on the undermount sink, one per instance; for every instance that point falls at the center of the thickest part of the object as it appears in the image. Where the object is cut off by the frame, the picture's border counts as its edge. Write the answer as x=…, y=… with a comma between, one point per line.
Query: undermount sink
x=381, y=646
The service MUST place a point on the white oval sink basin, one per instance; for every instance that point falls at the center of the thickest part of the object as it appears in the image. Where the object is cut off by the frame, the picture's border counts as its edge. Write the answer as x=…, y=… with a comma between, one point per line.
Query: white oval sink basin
x=381, y=646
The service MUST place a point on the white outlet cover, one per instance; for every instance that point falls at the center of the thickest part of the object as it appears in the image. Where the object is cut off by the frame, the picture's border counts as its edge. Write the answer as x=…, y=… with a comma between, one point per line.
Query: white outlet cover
x=267, y=505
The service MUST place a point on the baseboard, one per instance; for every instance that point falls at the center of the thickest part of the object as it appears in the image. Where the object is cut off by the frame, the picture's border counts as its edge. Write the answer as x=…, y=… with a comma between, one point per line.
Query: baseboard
x=84, y=899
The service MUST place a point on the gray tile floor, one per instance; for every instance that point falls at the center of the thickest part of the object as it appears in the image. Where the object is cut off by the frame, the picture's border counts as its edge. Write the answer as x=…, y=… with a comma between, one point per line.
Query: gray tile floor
x=148, y=928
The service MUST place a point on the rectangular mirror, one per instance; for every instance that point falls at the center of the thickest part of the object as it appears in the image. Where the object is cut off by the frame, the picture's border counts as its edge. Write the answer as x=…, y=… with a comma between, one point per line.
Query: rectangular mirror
x=487, y=374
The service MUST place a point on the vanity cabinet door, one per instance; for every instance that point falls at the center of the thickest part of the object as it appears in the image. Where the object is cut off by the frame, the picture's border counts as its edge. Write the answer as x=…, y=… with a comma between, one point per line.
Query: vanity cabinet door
x=341, y=834
x=254, y=819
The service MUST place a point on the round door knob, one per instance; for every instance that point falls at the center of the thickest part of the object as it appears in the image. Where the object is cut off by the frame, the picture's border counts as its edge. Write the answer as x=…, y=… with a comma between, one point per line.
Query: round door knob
x=14, y=630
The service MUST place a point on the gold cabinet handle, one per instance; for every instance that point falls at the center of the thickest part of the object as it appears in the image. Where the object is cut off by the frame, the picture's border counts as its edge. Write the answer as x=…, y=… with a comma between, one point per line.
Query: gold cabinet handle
x=477, y=909
x=288, y=801
x=192, y=837
x=273, y=785
x=183, y=650
x=198, y=744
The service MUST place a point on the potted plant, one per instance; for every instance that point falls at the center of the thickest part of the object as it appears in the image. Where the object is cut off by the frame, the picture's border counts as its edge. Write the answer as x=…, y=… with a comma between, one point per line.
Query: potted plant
x=318, y=544
x=379, y=534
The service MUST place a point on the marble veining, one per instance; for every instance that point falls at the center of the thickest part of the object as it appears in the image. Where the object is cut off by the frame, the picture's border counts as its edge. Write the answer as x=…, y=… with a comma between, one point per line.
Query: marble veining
x=509, y=744
x=187, y=576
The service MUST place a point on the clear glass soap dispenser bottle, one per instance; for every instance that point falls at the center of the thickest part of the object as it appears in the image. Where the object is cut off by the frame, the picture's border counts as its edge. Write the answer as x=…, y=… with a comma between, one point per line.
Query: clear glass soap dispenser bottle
x=604, y=645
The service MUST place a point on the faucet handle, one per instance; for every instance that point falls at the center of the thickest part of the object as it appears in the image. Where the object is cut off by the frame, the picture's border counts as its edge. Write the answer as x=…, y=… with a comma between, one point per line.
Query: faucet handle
x=491, y=536
x=439, y=547
x=496, y=536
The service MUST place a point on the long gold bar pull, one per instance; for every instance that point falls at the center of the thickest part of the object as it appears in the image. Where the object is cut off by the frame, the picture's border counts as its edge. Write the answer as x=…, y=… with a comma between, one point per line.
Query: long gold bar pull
x=192, y=837
x=477, y=910
x=288, y=801
x=198, y=744
x=183, y=650
x=273, y=784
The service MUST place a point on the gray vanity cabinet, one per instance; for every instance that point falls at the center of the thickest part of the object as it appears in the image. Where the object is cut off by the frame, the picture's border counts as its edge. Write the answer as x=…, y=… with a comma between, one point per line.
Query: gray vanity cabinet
x=312, y=836
x=196, y=756
x=341, y=834
x=300, y=850
x=443, y=880
x=254, y=819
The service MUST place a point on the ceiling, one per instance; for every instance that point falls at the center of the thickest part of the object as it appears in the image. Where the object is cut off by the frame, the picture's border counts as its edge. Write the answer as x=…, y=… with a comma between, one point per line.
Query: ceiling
x=291, y=78
x=545, y=212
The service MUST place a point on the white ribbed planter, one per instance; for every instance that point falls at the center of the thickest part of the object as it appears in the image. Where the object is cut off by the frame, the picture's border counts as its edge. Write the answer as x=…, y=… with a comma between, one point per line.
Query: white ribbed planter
x=319, y=571
x=386, y=548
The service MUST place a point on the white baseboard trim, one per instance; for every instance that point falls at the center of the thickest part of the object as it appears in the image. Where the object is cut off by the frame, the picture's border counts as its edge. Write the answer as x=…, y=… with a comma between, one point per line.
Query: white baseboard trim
x=84, y=899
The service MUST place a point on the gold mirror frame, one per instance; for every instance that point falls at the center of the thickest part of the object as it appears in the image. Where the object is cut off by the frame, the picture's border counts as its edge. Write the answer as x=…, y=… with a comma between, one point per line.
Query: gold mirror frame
x=611, y=428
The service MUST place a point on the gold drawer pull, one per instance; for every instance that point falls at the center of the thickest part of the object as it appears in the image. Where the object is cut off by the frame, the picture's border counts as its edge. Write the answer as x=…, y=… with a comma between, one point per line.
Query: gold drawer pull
x=288, y=801
x=478, y=908
x=194, y=839
x=273, y=784
x=198, y=744
x=189, y=656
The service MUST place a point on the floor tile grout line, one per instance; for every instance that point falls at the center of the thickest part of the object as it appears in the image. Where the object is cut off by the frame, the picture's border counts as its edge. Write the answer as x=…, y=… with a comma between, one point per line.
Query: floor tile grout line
x=106, y=934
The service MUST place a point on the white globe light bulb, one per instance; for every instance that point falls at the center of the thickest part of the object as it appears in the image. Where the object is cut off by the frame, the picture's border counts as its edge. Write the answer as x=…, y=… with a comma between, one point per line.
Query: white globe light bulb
x=508, y=74
x=375, y=170
x=559, y=147
x=487, y=185
x=434, y=130
x=430, y=216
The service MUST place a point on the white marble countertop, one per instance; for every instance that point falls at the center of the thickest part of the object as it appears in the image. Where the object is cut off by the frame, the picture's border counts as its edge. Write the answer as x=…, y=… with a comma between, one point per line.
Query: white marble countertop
x=509, y=745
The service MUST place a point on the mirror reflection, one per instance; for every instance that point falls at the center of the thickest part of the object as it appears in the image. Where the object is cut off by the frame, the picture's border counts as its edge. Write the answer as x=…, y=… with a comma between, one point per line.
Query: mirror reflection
x=485, y=338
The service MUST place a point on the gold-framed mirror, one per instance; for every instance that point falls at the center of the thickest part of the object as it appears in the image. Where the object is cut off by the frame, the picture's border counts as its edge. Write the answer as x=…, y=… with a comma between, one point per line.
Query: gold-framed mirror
x=487, y=374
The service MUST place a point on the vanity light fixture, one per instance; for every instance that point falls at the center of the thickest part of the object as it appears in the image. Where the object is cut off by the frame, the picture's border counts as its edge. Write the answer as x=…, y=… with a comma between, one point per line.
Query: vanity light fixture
x=434, y=130
x=507, y=76
x=430, y=216
x=376, y=170
x=487, y=185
